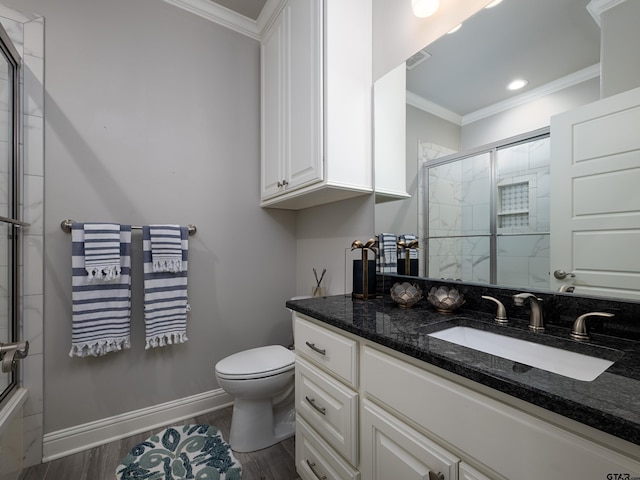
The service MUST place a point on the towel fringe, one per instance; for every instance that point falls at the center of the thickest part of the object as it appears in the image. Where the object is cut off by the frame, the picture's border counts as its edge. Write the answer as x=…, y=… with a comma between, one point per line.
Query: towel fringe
x=101, y=347
x=166, y=339
x=167, y=265
x=104, y=273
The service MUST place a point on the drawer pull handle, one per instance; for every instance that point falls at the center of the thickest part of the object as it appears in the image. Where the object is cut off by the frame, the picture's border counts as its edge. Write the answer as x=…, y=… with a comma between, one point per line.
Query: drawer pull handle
x=312, y=402
x=312, y=466
x=436, y=476
x=313, y=347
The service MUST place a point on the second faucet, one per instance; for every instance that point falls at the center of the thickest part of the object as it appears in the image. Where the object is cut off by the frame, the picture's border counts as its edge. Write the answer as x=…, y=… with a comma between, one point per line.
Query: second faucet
x=536, y=321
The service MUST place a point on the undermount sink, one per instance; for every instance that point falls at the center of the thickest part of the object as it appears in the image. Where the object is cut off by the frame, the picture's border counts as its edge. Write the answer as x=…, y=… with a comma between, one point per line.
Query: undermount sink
x=563, y=362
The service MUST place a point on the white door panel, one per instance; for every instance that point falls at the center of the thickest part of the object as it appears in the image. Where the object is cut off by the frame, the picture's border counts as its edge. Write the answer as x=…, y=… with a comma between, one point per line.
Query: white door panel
x=595, y=179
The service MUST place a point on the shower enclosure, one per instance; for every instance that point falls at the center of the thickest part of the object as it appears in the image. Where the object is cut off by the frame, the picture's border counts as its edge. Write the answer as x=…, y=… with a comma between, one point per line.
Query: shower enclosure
x=485, y=213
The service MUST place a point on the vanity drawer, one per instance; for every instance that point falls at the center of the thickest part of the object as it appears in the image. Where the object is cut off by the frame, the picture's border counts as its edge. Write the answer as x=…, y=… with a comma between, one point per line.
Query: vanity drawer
x=332, y=351
x=315, y=459
x=330, y=408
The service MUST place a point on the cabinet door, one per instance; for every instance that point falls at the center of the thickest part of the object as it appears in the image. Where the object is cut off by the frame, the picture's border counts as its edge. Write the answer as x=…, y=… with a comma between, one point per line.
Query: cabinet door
x=305, y=164
x=275, y=79
x=392, y=449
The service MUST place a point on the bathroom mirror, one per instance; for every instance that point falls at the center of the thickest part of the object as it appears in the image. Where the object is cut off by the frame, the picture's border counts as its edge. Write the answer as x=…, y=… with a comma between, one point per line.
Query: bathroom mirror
x=456, y=95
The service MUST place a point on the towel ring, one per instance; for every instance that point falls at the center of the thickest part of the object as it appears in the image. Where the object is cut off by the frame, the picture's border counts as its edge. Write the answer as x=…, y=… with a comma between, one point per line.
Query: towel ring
x=65, y=225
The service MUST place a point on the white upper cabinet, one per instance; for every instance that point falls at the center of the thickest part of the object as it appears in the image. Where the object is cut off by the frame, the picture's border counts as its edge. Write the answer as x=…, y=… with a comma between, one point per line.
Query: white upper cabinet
x=316, y=104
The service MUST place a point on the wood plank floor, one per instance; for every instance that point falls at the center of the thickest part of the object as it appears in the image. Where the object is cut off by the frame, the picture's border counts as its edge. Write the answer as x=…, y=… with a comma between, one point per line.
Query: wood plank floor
x=273, y=463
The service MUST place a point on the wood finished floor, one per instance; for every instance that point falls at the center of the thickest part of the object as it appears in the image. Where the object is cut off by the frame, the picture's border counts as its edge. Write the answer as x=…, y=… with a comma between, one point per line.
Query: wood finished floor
x=273, y=463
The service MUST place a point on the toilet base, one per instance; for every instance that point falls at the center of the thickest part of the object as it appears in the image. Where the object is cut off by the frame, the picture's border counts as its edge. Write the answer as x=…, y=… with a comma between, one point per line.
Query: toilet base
x=255, y=424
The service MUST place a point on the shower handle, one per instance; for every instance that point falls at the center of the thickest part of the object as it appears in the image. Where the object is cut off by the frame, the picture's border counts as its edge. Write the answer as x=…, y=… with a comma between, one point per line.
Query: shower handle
x=10, y=352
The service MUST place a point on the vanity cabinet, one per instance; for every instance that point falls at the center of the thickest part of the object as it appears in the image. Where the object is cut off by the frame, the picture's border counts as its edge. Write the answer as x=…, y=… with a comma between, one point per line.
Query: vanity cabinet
x=316, y=104
x=393, y=416
x=327, y=400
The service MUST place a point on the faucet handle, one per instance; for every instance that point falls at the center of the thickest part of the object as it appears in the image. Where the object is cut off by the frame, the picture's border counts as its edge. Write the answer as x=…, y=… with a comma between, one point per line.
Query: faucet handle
x=579, y=330
x=501, y=313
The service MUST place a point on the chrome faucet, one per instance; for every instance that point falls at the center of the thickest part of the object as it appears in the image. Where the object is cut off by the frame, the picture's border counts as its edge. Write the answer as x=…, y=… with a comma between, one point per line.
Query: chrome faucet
x=536, y=322
x=501, y=312
x=579, y=330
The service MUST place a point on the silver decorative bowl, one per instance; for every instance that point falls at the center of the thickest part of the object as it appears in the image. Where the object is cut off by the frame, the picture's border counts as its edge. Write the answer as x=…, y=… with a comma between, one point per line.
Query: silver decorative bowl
x=405, y=294
x=445, y=299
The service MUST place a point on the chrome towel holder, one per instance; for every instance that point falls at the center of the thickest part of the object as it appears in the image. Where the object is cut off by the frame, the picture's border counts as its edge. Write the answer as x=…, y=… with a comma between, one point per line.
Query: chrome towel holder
x=65, y=225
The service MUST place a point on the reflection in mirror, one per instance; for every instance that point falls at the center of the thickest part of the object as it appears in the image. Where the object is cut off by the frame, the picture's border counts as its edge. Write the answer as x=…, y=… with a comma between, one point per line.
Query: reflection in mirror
x=487, y=214
x=456, y=102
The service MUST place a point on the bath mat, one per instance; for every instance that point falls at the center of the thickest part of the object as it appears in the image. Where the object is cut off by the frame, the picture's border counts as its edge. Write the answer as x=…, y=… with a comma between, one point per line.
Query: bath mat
x=179, y=453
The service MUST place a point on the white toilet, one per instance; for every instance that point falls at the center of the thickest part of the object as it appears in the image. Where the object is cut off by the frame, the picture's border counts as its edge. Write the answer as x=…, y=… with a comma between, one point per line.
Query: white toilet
x=261, y=382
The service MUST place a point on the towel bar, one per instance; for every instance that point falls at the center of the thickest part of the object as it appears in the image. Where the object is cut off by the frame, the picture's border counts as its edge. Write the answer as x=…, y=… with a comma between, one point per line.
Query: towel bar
x=65, y=225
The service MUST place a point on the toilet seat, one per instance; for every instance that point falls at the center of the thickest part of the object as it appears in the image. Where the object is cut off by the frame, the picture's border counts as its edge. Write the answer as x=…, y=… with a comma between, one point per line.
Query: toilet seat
x=256, y=363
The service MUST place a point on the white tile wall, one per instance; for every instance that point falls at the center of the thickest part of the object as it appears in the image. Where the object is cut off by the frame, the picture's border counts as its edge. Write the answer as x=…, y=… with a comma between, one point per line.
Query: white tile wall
x=27, y=32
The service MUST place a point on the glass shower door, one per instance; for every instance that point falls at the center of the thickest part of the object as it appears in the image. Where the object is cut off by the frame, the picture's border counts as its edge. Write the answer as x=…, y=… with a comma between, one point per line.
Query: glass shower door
x=10, y=222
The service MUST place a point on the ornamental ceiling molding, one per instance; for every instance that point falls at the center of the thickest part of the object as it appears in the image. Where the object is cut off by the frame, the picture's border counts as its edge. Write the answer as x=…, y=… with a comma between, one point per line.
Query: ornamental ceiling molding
x=228, y=18
x=597, y=7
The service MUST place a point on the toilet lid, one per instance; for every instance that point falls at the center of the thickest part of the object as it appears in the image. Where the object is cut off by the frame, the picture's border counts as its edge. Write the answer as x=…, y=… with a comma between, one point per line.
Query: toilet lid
x=256, y=362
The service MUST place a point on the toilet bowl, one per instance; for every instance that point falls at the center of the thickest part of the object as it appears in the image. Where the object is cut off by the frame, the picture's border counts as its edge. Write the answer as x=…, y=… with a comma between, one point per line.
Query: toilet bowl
x=261, y=380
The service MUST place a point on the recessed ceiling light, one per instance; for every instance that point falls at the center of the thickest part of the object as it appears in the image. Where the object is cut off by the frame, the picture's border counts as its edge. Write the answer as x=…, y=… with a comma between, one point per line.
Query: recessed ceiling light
x=424, y=8
x=455, y=29
x=517, y=84
x=493, y=4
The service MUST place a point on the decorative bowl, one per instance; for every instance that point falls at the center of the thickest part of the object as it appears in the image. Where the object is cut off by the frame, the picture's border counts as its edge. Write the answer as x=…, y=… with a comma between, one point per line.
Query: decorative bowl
x=445, y=299
x=405, y=294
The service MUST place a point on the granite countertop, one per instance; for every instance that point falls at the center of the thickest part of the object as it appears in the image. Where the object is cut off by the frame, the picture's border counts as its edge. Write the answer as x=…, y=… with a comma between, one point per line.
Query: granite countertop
x=610, y=403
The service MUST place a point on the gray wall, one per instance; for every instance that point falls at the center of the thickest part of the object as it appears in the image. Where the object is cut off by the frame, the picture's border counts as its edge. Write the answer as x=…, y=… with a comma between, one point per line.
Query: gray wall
x=152, y=116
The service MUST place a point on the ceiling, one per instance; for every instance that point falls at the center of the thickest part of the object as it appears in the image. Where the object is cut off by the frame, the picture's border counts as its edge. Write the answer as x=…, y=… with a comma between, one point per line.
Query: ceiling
x=541, y=40
x=248, y=8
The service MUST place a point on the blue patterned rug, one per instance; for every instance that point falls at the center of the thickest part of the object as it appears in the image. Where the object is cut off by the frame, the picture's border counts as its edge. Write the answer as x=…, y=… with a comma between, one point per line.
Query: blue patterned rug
x=195, y=452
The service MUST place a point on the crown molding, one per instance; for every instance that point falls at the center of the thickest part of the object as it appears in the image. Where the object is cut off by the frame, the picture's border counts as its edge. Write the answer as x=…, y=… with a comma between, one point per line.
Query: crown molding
x=230, y=19
x=597, y=7
x=551, y=87
x=433, y=108
x=547, y=89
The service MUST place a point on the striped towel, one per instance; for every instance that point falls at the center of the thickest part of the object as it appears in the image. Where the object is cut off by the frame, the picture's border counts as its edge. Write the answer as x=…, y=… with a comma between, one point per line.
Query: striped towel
x=166, y=248
x=165, y=296
x=387, y=253
x=102, y=250
x=413, y=252
x=101, y=311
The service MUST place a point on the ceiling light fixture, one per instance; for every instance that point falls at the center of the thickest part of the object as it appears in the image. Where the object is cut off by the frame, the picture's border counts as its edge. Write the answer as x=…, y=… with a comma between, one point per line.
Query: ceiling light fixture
x=517, y=84
x=424, y=8
x=493, y=4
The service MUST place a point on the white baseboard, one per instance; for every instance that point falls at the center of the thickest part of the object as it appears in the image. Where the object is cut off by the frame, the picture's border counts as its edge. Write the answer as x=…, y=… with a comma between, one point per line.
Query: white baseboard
x=83, y=437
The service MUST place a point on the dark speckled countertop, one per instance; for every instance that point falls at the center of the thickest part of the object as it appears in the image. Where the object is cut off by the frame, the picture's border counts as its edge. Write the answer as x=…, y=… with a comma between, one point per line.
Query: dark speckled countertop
x=610, y=403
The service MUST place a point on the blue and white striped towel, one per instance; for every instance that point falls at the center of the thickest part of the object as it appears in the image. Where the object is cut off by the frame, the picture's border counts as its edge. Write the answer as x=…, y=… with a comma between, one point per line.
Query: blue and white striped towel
x=165, y=296
x=102, y=250
x=387, y=253
x=166, y=248
x=101, y=311
x=413, y=252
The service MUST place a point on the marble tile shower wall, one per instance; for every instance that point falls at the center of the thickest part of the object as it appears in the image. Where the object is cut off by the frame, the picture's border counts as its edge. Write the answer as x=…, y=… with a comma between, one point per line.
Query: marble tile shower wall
x=459, y=204
x=27, y=33
x=524, y=259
